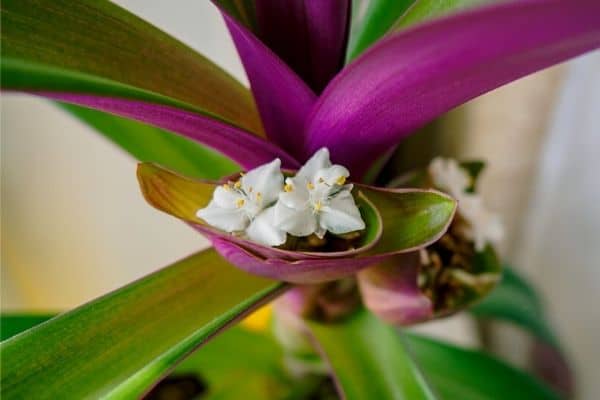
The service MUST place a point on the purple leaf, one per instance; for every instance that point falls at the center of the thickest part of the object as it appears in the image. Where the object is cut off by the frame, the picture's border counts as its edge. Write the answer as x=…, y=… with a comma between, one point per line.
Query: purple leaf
x=398, y=221
x=309, y=35
x=390, y=290
x=310, y=270
x=245, y=148
x=283, y=99
x=412, y=77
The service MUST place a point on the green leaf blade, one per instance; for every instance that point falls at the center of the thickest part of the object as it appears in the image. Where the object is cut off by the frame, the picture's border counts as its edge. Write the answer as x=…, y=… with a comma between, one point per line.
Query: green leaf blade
x=378, y=18
x=148, y=143
x=98, y=47
x=12, y=323
x=369, y=360
x=121, y=343
x=423, y=10
x=463, y=374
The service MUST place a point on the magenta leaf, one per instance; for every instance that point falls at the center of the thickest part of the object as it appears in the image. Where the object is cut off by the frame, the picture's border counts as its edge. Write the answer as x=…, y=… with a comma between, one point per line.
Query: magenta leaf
x=283, y=99
x=310, y=36
x=245, y=148
x=413, y=76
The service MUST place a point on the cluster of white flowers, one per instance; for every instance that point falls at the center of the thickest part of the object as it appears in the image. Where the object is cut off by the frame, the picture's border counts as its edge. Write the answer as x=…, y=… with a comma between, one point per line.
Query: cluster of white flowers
x=265, y=209
x=483, y=226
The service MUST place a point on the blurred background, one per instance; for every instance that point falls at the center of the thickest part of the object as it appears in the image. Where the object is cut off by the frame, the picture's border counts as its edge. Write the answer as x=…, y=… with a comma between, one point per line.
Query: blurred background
x=74, y=225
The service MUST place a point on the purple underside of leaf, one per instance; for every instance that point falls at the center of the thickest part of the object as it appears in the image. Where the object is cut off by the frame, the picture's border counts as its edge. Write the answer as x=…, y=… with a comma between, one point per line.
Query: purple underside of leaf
x=310, y=36
x=390, y=290
x=283, y=99
x=304, y=271
x=245, y=148
x=412, y=77
x=285, y=265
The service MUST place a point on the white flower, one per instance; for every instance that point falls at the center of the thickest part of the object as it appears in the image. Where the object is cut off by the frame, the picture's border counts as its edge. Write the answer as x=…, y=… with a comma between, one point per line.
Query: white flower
x=245, y=205
x=449, y=176
x=316, y=200
x=483, y=225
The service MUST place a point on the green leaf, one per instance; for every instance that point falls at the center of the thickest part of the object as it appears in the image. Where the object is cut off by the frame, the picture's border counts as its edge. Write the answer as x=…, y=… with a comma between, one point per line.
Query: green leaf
x=255, y=372
x=12, y=324
x=121, y=343
x=515, y=301
x=372, y=23
x=369, y=360
x=380, y=17
x=94, y=46
x=243, y=11
x=424, y=10
x=411, y=218
x=400, y=219
x=457, y=373
x=148, y=143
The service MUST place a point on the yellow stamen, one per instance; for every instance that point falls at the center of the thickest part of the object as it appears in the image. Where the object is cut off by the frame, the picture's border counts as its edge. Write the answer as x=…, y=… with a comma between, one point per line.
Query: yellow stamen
x=258, y=196
x=239, y=203
x=310, y=186
x=318, y=205
x=341, y=180
x=250, y=189
x=321, y=180
x=288, y=188
x=237, y=185
x=242, y=174
x=226, y=186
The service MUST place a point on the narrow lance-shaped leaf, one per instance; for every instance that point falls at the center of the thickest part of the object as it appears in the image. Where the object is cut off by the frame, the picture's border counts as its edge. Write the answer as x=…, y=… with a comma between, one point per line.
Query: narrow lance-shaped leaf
x=148, y=143
x=368, y=360
x=120, y=344
x=244, y=148
x=373, y=22
x=413, y=76
x=254, y=373
x=423, y=10
x=14, y=323
x=457, y=373
x=45, y=52
x=372, y=360
x=283, y=99
x=67, y=42
x=310, y=36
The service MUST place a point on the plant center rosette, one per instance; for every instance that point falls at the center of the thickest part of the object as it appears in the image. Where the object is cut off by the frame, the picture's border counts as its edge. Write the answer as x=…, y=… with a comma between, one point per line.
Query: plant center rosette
x=314, y=227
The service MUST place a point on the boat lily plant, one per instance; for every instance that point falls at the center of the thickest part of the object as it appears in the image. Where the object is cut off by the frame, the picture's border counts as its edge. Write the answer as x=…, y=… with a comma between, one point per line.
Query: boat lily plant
x=280, y=179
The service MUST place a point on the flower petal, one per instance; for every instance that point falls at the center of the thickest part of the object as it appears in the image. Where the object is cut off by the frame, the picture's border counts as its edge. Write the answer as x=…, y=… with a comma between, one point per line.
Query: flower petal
x=397, y=221
x=225, y=197
x=413, y=76
x=246, y=149
x=334, y=175
x=266, y=180
x=295, y=221
x=226, y=219
x=298, y=196
x=263, y=230
x=318, y=161
x=341, y=215
x=283, y=99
